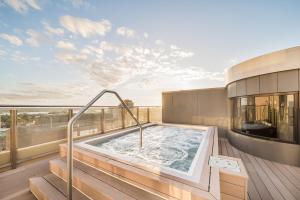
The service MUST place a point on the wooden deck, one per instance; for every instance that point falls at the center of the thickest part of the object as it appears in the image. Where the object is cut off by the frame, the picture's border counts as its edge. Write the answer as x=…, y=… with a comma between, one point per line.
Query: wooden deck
x=268, y=180
x=14, y=184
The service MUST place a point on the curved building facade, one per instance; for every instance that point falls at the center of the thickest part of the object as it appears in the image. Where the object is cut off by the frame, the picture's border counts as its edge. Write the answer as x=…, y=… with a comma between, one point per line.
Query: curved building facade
x=263, y=95
x=258, y=110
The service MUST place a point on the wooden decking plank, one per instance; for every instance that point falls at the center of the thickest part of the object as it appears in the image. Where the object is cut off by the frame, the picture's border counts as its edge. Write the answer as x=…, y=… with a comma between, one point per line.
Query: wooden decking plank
x=122, y=186
x=61, y=186
x=92, y=187
x=288, y=174
x=252, y=190
x=43, y=190
x=293, y=171
x=266, y=180
x=220, y=150
x=297, y=169
x=229, y=148
x=8, y=182
x=257, y=182
x=280, y=187
x=224, y=150
x=294, y=190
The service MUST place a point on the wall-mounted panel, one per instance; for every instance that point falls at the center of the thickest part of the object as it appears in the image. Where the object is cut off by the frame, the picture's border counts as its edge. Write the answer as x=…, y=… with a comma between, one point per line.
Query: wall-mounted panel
x=167, y=103
x=268, y=83
x=204, y=107
x=252, y=85
x=288, y=81
x=231, y=90
x=241, y=88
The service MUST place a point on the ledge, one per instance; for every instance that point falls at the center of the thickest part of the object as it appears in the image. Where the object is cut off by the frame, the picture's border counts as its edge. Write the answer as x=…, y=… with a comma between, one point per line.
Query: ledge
x=272, y=150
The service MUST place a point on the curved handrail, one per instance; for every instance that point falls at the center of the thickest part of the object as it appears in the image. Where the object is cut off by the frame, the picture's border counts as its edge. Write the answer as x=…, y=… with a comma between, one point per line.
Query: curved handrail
x=70, y=134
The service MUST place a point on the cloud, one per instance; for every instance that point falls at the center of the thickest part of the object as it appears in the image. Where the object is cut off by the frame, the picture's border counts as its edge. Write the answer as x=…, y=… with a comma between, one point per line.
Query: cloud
x=21, y=58
x=85, y=27
x=115, y=65
x=79, y=3
x=91, y=50
x=22, y=6
x=50, y=93
x=126, y=32
x=146, y=35
x=65, y=45
x=71, y=58
x=34, y=38
x=12, y=39
x=53, y=31
x=33, y=92
x=2, y=53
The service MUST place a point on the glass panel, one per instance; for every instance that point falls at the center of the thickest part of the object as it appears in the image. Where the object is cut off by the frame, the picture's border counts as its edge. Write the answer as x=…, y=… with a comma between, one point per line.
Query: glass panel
x=40, y=125
x=143, y=115
x=285, y=119
x=129, y=121
x=155, y=114
x=89, y=123
x=4, y=130
x=267, y=116
x=112, y=118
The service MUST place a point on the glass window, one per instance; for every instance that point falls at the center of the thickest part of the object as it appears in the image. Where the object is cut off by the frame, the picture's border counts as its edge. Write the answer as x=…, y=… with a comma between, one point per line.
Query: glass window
x=266, y=116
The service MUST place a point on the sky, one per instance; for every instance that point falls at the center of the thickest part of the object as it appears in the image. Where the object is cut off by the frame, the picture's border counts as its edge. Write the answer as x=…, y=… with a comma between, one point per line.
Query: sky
x=65, y=52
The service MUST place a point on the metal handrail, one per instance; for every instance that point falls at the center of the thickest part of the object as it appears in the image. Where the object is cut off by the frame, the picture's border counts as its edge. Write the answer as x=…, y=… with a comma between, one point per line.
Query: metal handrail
x=70, y=134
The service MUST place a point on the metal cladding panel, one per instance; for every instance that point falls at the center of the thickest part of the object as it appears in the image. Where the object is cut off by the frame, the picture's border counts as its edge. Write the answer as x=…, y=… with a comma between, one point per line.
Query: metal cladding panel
x=288, y=81
x=252, y=85
x=231, y=90
x=268, y=83
x=241, y=88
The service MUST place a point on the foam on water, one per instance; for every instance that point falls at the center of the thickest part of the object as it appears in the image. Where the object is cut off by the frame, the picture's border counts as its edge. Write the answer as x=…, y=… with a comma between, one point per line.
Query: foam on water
x=163, y=146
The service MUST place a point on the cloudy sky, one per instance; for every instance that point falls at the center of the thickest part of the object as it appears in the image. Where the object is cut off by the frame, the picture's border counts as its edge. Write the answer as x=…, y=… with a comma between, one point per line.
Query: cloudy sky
x=65, y=52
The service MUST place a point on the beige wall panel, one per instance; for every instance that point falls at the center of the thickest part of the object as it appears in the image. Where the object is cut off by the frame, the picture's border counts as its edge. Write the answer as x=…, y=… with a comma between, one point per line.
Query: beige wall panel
x=183, y=113
x=203, y=107
x=241, y=88
x=252, y=85
x=231, y=88
x=288, y=81
x=167, y=103
x=268, y=83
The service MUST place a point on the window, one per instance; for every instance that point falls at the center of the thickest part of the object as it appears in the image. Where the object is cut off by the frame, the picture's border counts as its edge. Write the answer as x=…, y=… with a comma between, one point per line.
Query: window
x=266, y=116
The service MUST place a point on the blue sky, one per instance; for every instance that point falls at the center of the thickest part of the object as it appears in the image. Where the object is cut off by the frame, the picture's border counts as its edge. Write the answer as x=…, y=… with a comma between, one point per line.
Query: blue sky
x=65, y=52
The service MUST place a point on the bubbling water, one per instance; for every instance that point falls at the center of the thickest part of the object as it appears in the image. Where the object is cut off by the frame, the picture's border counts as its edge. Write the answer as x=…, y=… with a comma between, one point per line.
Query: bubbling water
x=166, y=146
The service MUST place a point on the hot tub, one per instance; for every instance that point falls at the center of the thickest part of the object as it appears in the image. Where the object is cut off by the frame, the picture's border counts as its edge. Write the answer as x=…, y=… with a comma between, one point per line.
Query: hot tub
x=179, y=152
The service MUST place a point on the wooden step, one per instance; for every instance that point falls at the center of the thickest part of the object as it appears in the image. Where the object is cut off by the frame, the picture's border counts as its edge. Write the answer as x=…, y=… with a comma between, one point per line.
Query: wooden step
x=44, y=190
x=87, y=184
x=61, y=186
x=169, y=186
x=52, y=187
x=128, y=187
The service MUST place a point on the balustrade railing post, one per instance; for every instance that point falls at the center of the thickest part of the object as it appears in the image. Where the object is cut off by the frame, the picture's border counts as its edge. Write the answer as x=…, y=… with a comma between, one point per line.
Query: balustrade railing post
x=13, y=138
x=148, y=115
x=123, y=117
x=102, y=120
x=78, y=130
x=70, y=113
x=138, y=114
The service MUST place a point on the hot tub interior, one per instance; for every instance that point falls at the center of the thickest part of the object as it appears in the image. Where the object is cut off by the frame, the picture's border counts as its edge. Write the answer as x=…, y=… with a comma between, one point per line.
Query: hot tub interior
x=164, y=146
